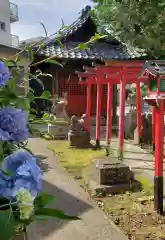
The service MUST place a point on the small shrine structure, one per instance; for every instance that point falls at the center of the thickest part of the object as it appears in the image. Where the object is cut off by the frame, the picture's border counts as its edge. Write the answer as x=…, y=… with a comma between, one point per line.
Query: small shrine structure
x=155, y=73
x=111, y=74
x=65, y=80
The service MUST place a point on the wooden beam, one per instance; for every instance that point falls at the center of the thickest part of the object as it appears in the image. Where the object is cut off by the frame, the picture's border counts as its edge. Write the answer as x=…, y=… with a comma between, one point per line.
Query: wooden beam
x=126, y=63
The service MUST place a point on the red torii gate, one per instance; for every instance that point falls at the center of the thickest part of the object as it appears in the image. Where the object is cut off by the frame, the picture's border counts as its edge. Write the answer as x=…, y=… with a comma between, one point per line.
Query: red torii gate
x=115, y=73
x=155, y=73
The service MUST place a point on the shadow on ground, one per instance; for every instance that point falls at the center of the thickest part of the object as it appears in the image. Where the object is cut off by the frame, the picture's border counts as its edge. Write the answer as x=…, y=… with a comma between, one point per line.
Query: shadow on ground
x=138, y=159
x=43, y=163
x=64, y=201
x=136, y=152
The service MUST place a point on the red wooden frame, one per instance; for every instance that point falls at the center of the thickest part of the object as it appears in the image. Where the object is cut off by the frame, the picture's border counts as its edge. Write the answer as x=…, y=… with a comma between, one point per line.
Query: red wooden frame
x=115, y=73
x=158, y=102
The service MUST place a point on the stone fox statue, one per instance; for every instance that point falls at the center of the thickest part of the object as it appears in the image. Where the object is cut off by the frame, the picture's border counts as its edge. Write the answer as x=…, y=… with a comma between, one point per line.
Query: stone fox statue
x=78, y=136
x=60, y=108
x=77, y=126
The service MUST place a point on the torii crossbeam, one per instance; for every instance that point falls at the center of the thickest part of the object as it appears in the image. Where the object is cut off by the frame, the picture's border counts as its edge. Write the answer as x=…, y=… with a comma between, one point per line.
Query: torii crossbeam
x=111, y=74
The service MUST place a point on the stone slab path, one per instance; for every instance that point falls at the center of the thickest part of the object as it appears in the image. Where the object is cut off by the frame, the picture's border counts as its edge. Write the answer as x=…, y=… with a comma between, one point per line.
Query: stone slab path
x=71, y=198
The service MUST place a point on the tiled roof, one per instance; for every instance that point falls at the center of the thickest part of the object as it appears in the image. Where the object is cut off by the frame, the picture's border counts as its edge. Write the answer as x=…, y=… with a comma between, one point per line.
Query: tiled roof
x=158, y=67
x=155, y=68
x=97, y=51
x=75, y=26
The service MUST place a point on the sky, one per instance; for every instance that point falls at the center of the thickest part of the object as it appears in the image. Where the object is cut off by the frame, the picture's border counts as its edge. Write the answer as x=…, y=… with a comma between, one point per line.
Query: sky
x=49, y=12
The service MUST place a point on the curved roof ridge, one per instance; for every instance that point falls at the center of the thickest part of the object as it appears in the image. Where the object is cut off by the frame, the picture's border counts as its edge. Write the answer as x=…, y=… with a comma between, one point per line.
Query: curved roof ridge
x=76, y=25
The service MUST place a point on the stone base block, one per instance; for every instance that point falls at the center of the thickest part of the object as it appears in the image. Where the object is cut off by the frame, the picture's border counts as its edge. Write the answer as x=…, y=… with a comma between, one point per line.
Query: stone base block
x=96, y=189
x=59, y=130
x=20, y=236
x=79, y=141
x=43, y=128
x=110, y=171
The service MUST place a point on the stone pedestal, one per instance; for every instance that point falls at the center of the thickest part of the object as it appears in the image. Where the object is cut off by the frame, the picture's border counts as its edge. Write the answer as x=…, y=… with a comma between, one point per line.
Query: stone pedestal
x=59, y=130
x=20, y=236
x=112, y=172
x=41, y=127
x=108, y=175
x=79, y=140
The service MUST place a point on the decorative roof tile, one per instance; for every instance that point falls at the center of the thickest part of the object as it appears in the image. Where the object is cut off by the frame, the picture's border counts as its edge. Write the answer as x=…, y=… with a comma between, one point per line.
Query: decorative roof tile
x=97, y=51
x=154, y=68
x=101, y=50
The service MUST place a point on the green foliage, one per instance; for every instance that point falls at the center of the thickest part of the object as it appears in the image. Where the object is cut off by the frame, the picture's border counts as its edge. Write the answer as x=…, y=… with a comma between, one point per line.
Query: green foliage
x=7, y=224
x=83, y=46
x=139, y=23
x=54, y=62
x=30, y=54
x=93, y=39
x=45, y=116
x=52, y=212
x=43, y=200
x=23, y=210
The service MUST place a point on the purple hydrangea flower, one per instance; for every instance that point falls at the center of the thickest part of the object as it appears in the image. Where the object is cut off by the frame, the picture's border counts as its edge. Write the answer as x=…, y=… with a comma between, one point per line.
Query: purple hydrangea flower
x=13, y=125
x=6, y=184
x=4, y=74
x=24, y=173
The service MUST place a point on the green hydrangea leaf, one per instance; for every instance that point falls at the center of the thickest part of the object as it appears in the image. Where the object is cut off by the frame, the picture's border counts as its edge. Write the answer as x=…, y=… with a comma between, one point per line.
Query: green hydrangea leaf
x=44, y=199
x=46, y=95
x=55, y=213
x=30, y=54
x=7, y=224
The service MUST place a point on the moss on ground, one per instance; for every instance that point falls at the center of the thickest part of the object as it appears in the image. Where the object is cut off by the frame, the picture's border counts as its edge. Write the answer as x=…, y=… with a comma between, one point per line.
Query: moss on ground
x=74, y=160
x=132, y=212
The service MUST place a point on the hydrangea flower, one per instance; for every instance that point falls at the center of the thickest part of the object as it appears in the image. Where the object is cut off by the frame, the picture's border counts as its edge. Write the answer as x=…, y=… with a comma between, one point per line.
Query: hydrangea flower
x=4, y=74
x=6, y=184
x=24, y=173
x=25, y=203
x=13, y=125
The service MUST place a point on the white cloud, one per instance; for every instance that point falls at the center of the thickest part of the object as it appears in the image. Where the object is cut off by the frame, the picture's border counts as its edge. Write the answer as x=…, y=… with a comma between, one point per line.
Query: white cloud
x=25, y=31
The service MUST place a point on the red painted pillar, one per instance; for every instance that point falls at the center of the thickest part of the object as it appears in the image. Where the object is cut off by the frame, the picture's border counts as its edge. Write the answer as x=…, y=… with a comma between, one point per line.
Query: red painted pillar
x=98, y=113
x=109, y=115
x=88, y=111
x=153, y=126
x=159, y=155
x=138, y=110
x=121, y=119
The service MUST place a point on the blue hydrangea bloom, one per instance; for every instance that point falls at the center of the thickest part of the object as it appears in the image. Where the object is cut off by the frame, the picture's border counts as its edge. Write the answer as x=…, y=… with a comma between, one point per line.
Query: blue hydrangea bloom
x=24, y=173
x=13, y=124
x=4, y=74
x=6, y=184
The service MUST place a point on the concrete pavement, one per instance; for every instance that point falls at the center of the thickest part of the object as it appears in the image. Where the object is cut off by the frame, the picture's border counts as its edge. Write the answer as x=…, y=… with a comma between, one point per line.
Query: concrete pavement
x=94, y=224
